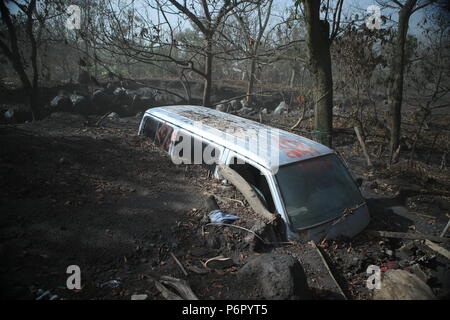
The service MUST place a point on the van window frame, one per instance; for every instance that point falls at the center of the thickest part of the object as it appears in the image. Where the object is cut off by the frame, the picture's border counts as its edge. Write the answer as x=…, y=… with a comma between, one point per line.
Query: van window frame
x=274, y=190
x=221, y=149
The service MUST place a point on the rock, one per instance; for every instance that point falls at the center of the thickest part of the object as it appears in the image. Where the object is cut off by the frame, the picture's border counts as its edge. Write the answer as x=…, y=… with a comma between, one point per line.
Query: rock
x=399, y=284
x=245, y=110
x=139, y=297
x=122, y=97
x=406, y=251
x=415, y=269
x=276, y=276
x=235, y=105
x=81, y=105
x=103, y=101
x=221, y=107
x=113, y=116
x=61, y=103
x=282, y=107
x=146, y=92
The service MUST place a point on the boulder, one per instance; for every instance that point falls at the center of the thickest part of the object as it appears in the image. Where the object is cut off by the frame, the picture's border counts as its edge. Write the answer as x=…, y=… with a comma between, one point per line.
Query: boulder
x=221, y=107
x=61, y=103
x=235, y=105
x=282, y=108
x=276, y=276
x=399, y=284
x=103, y=102
x=81, y=105
x=122, y=97
x=245, y=110
x=113, y=116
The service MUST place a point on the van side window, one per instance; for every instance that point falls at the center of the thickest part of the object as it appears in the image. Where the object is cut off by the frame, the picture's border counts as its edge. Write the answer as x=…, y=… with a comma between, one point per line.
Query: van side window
x=163, y=136
x=192, y=150
x=255, y=179
x=150, y=128
x=211, y=155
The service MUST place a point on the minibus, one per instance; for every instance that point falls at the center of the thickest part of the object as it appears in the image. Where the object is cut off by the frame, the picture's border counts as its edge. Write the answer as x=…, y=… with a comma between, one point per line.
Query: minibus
x=305, y=182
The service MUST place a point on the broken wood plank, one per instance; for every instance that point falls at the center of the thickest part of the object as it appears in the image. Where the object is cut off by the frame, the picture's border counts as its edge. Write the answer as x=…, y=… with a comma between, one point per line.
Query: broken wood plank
x=363, y=146
x=166, y=293
x=247, y=191
x=329, y=270
x=403, y=235
x=438, y=248
x=445, y=229
x=181, y=286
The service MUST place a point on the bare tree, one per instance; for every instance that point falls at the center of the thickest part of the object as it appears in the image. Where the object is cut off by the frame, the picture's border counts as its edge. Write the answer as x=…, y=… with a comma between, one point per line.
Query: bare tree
x=208, y=21
x=253, y=26
x=397, y=65
x=318, y=42
x=17, y=56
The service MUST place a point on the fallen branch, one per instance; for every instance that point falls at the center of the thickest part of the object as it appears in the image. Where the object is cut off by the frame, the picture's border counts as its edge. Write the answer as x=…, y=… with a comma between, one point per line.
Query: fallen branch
x=363, y=146
x=445, y=229
x=410, y=236
x=99, y=122
x=166, y=293
x=247, y=191
x=438, y=248
x=239, y=97
x=179, y=264
x=301, y=118
x=181, y=286
x=329, y=270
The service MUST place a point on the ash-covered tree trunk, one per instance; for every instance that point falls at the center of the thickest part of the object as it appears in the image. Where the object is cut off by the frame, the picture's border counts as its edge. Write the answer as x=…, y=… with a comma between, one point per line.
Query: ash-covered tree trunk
x=251, y=81
x=16, y=57
x=395, y=90
x=318, y=44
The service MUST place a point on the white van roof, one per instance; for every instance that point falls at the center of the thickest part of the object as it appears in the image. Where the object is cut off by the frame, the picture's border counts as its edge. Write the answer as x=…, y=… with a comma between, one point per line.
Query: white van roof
x=245, y=137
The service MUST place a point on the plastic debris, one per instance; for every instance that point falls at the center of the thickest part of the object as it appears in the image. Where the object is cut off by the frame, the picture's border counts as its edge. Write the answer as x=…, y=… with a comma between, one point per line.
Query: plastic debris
x=218, y=216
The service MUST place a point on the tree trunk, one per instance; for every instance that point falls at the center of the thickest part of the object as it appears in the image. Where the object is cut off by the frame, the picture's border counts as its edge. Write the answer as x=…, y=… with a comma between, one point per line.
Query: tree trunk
x=251, y=81
x=318, y=44
x=395, y=90
x=208, y=74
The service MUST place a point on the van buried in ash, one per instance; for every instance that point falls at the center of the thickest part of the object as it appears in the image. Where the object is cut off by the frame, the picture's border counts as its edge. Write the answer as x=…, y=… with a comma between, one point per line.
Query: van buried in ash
x=304, y=181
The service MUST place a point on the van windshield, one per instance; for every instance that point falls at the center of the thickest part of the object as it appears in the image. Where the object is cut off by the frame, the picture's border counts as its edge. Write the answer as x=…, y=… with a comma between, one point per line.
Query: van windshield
x=317, y=190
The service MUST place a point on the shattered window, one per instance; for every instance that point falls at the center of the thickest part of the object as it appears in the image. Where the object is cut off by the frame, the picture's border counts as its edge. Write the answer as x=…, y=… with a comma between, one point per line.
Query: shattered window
x=317, y=190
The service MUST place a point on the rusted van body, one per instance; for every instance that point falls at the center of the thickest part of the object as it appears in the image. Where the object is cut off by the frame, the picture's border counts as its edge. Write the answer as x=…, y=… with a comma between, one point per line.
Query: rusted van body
x=305, y=182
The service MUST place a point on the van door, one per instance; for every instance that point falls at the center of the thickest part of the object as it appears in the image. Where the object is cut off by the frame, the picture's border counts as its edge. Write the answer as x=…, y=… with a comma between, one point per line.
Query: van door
x=261, y=180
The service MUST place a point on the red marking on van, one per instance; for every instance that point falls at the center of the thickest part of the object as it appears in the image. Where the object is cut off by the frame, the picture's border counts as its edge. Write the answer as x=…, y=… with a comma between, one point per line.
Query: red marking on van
x=296, y=149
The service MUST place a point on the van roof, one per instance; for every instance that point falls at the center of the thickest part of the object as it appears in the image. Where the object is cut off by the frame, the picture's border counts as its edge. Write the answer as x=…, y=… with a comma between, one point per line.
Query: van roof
x=246, y=137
